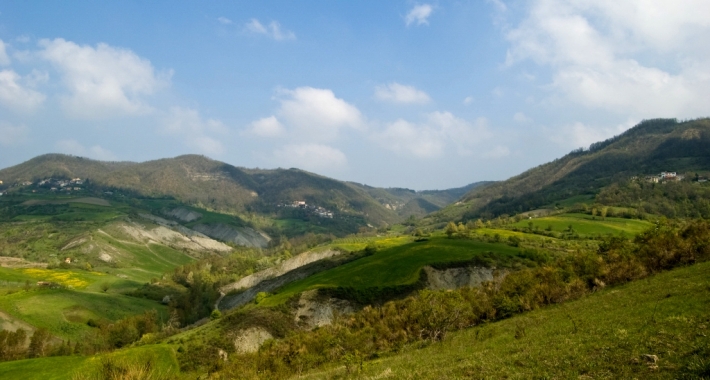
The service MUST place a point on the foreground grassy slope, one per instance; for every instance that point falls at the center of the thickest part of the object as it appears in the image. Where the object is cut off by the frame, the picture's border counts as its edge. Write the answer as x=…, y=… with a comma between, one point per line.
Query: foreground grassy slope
x=162, y=358
x=604, y=335
x=399, y=265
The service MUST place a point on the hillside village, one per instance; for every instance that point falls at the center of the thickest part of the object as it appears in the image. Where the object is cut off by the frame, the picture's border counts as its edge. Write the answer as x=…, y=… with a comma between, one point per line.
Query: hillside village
x=317, y=210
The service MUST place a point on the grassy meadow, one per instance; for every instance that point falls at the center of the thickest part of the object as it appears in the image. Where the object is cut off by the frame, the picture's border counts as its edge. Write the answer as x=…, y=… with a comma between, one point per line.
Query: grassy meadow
x=398, y=265
x=586, y=225
x=162, y=358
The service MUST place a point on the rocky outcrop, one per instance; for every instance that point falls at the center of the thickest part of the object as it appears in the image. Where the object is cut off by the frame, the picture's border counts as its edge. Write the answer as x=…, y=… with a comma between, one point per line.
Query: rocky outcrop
x=251, y=339
x=315, y=310
x=281, y=269
x=245, y=236
x=184, y=215
x=454, y=278
x=175, y=236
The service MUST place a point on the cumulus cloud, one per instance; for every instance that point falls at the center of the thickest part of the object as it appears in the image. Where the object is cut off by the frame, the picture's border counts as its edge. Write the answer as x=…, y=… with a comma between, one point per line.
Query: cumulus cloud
x=273, y=30
x=468, y=100
x=632, y=57
x=224, y=20
x=71, y=146
x=313, y=157
x=431, y=137
x=419, y=15
x=4, y=58
x=317, y=114
x=16, y=96
x=195, y=131
x=398, y=93
x=580, y=135
x=267, y=127
x=102, y=81
x=12, y=134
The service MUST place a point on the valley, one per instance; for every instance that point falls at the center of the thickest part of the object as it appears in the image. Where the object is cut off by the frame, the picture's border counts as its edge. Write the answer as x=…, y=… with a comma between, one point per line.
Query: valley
x=189, y=267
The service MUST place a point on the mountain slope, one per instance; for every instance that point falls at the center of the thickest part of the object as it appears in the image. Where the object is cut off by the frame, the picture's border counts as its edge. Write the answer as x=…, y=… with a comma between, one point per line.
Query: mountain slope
x=210, y=184
x=649, y=148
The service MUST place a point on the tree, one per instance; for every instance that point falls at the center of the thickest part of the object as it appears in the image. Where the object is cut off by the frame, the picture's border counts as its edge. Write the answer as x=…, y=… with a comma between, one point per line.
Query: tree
x=37, y=343
x=604, y=211
x=451, y=229
x=461, y=229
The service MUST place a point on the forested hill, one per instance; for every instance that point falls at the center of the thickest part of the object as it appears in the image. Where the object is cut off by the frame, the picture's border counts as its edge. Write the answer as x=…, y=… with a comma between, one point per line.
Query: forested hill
x=649, y=148
x=207, y=183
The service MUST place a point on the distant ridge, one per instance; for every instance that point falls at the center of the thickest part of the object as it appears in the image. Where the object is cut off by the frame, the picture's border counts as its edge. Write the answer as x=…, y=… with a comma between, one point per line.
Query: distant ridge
x=650, y=147
x=203, y=182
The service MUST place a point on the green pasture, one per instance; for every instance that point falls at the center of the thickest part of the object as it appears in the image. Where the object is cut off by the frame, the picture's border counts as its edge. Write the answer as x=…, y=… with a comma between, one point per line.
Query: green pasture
x=583, y=224
x=601, y=336
x=146, y=261
x=70, y=367
x=65, y=312
x=358, y=243
x=399, y=265
x=570, y=202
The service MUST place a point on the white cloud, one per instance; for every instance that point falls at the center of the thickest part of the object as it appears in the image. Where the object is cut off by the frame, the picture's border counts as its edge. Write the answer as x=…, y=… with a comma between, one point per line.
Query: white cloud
x=267, y=127
x=468, y=100
x=4, y=58
x=23, y=39
x=70, y=146
x=103, y=81
x=272, y=30
x=398, y=93
x=407, y=138
x=316, y=114
x=194, y=130
x=15, y=96
x=579, y=135
x=520, y=117
x=12, y=134
x=419, y=14
x=430, y=138
x=313, y=157
x=224, y=20
x=634, y=57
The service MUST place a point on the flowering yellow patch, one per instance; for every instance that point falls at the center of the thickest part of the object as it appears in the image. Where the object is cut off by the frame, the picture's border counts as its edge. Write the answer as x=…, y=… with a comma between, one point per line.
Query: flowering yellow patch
x=65, y=278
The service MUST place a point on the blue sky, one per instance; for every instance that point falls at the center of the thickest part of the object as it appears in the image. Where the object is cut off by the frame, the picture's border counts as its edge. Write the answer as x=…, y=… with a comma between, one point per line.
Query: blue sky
x=422, y=95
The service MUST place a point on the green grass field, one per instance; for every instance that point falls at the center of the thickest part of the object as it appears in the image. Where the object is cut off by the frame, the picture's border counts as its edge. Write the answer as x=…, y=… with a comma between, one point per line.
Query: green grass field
x=65, y=312
x=586, y=225
x=398, y=265
x=358, y=243
x=603, y=335
x=69, y=367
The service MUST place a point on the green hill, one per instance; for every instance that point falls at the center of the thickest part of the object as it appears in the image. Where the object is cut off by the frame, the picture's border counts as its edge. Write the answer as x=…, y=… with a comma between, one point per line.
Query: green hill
x=605, y=335
x=651, y=147
x=208, y=184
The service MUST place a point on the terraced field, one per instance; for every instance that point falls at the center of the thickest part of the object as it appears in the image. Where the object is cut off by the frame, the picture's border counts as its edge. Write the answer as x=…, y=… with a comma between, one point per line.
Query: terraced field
x=587, y=225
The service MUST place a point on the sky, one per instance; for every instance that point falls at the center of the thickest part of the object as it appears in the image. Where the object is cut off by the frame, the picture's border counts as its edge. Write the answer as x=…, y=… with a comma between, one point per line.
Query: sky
x=423, y=95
